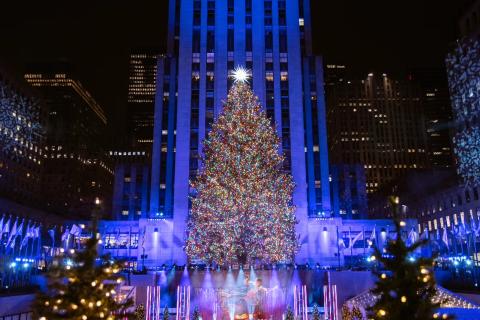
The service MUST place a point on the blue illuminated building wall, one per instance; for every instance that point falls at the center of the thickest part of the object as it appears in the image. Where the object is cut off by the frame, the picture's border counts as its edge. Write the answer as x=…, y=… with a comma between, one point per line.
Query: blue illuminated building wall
x=463, y=66
x=206, y=41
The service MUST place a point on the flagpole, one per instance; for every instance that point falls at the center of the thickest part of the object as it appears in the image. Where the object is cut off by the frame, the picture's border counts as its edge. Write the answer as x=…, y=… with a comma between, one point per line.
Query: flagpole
x=129, y=252
x=338, y=248
x=475, y=264
x=33, y=242
x=116, y=242
x=456, y=244
x=350, y=243
x=364, y=250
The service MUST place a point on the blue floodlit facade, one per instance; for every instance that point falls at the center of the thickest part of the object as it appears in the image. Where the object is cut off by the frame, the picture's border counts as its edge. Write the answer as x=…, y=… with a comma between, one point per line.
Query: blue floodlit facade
x=463, y=65
x=206, y=41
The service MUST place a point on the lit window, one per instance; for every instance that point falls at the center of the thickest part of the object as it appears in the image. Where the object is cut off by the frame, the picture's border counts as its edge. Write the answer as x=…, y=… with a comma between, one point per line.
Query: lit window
x=301, y=22
x=125, y=212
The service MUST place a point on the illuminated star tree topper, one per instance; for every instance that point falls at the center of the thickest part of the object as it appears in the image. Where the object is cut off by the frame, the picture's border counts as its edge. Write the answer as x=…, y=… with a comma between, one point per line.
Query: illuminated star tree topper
x=241, y=75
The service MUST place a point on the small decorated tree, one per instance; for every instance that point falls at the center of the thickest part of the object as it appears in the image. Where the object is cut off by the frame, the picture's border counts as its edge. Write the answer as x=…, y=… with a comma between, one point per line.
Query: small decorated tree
x=81, y=288
x=140, y=312
x=357, y=314
x=289, y=315
x=315, y=313
x=196, y=314
x=166, y=314
x=406, y=286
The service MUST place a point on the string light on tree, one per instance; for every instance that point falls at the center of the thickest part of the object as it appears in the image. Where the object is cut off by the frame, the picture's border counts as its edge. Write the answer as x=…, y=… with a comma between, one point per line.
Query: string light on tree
x=241, y=209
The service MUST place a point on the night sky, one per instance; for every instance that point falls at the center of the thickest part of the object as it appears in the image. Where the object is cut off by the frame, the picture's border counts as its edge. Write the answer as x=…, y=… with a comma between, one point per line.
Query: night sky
x=96, y=36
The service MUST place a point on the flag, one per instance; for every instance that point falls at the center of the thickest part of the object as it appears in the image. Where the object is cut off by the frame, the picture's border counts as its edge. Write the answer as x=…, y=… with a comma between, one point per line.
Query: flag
x=6, y=227
x=412, y=237
x=36, y=232
x=20, y=228
x=51, y=233
x=341, y=244
x=1, y=224
x=75, y=230
x=462, y=230
x=30, y=230
x=352, y=242
x=24, y=241
x=473, y=227
x=65, y=234
x=28, y=235
x=13, y=233
x=445, y=237
x=425, y=234
x=373, y=237
x=455, y=231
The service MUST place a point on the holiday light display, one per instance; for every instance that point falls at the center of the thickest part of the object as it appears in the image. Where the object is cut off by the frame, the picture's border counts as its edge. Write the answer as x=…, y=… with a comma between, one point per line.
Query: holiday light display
x=20, y=128
x=467, y=149
x=242, y=211
x=463, y=66
x=80, y=287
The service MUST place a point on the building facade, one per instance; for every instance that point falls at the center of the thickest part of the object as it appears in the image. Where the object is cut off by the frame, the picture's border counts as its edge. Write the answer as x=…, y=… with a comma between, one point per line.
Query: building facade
x=463, y=65
x=141, y=97
x=349, y=193
x=206, y=41
x=22, y=138
x=131, y=184
x=378, y=122
x=437, y=111
x=75, y=168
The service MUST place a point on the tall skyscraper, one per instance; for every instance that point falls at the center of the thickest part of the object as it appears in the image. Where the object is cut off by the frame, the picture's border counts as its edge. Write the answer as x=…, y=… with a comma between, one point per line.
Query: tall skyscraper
x=22, y=124
x=206, y=40
x=437, y=110
x=75, y=168
x=377, y=122
x=141, y=97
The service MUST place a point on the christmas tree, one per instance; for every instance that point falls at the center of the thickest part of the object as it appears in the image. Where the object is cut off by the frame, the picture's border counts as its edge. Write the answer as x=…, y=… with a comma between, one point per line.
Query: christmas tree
x=80, y=287
x=166, y=314
x=196, y=314
x=315, y=313
x=406, y=286
x=289, y=315
x=140, y=312
x=242, y=210
x=353, y=313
